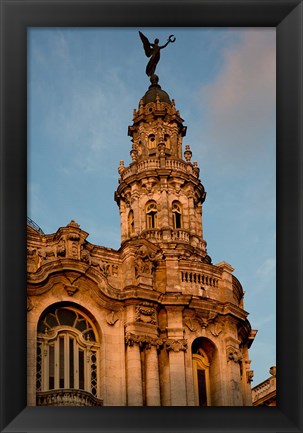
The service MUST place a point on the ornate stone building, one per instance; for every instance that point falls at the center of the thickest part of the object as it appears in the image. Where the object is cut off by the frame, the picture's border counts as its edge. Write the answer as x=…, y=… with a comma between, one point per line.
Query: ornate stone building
x=265, y=393
x=155, y=322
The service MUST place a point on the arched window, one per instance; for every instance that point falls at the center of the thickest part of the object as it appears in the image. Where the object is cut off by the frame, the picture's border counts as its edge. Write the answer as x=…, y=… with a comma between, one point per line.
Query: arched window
x=207, y=374
x=151, y=141
x=201, y=378
x=177, y=215
x=131, y=223
x=151, y=215
x=67, y=358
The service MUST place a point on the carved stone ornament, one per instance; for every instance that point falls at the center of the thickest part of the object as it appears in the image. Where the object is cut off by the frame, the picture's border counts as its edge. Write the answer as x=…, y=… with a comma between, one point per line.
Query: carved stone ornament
x=203, y=321
x=105, y=268
x=143, y=341
x=146, y=314
x=176, y=345
x=234, y=355
x=191, y=324
x=73, y=223
x=52, y=251
x=70, y=289
x=249, y=376
x=112, y=318
x=144, y=260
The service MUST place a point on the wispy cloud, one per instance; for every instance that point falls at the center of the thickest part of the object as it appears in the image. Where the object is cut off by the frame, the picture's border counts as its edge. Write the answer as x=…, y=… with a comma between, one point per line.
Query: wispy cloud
x=267, y=269
x=241, y=98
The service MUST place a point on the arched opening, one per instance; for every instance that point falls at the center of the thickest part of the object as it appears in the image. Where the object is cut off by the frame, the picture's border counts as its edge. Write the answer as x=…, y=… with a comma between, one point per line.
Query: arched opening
x=201, y=378
x=206, y=373
x=131, y=223
x=151, y=141
x=67, y=358
x=151, y=215
x=177, y=215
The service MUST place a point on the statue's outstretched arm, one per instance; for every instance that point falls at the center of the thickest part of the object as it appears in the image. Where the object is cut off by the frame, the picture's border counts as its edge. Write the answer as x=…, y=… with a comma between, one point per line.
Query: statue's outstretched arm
x=171, y=38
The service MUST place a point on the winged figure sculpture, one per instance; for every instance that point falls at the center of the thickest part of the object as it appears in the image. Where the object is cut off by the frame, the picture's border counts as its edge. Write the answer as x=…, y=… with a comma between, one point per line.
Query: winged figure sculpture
x=152, y=50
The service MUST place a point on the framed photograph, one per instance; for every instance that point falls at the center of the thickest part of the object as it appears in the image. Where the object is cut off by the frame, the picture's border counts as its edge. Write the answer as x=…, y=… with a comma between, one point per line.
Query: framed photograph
x=22, y=20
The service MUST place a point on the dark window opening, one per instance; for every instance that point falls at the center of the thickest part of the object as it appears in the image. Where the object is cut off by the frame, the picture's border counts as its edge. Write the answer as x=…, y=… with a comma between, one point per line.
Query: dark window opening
x=202, y=388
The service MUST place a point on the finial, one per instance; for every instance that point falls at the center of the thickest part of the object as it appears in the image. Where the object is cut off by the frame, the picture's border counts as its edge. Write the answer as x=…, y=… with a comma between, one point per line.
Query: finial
x=73, y=224
x=121, y=167
x=188, y=153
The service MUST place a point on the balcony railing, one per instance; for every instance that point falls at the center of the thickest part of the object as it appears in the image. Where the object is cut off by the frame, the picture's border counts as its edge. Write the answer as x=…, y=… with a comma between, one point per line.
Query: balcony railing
x=177, y=235
x=189, y=278
x=154, y=163
x=67, y=397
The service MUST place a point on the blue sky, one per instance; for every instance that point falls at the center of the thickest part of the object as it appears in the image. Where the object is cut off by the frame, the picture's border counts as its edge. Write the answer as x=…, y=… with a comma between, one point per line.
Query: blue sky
x=83, y=85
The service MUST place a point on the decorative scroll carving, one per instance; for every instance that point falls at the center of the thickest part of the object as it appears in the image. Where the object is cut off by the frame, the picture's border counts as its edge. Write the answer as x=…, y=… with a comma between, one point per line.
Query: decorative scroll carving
x=146, y=313
x=234, y=354
x=143, y=341
x=195, y=320
x=205, y=321
x=176, y=345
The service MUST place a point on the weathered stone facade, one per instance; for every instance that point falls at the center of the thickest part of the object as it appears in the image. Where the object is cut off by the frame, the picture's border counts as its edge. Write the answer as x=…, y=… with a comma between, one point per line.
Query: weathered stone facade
x=155, y=322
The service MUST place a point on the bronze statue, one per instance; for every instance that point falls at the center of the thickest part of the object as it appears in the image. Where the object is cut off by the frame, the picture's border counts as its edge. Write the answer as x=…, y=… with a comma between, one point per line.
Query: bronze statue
x=153, y=51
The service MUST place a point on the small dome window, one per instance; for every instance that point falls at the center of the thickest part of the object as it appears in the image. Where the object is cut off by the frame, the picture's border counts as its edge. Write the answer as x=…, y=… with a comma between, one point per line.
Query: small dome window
x=151, y=215
x=177, y=215
x=151, y=141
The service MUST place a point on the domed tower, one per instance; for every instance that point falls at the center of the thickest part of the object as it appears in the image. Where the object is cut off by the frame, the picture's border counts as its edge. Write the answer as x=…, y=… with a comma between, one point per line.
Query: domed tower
x=180, y=303
x=160, y=194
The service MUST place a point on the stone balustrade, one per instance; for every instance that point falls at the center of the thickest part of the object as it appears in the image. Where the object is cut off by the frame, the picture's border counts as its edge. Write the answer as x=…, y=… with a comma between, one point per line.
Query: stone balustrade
x=196, y=277
x=177, y=235
x=264, y=394
x=261, y=389
x=180, y=235
x=152, y=235
x=154, y=164
x=67, y=397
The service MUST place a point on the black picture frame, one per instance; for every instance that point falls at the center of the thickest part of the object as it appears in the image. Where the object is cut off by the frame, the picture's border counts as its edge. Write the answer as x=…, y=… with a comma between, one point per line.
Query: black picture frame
x=16, y=17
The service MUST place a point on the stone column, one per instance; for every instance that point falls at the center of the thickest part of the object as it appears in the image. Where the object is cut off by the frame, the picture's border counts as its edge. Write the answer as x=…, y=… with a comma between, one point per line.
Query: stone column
x=176, y=350
x=152, y=377
x=164, y=209
x=136, y=210
x=123, y=222
x=176, y=346
x=192, y=216
x=199, y=220
x=134, y=374
x=247, y=377
x=234, y=386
